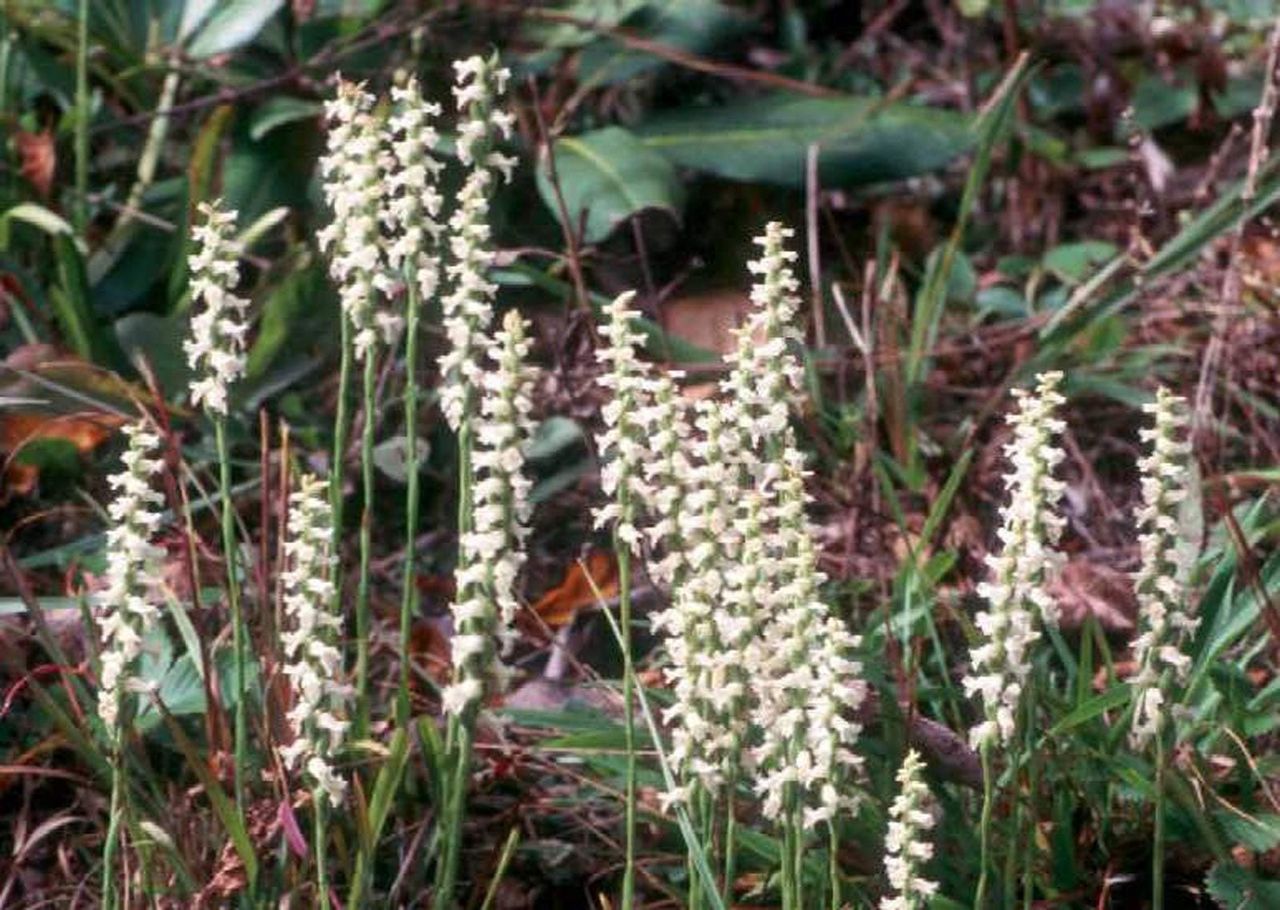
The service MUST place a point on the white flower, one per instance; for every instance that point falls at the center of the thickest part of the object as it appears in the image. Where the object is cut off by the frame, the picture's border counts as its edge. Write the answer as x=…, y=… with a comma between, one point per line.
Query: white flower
x=128, y=602
x=313, y=663
x=906, y=846
x=624, y=444
x=1017, y=593
x=1168, y=545
x=215, y=350
x=353, y=172
x=491, y=553
x=805, y=679
x=413, y=200
x=667, y=475
x=468, y=307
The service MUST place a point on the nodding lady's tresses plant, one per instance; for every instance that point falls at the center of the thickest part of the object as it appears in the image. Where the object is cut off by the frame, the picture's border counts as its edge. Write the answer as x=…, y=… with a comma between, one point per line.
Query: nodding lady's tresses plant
x=1168, y=544
x=806, y=683
x=624, y=449
x=906, y=846
x=1017, y=593
x=490, y=557
x=313, y=662
x=412, y=209
x=353, y=170
x=128, y=607
x=216, y=353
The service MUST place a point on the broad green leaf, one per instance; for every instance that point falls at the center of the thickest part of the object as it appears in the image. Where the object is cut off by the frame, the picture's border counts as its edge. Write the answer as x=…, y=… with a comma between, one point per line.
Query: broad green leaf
x=299, y=313
x=1072, y=263
x=37, y=216
x=158, y=340
x=233, y=25
x=553, y=436
x=1259, y=833
x=611, y=176
x=860, y=140
x=279, y=110
x=1234, y=888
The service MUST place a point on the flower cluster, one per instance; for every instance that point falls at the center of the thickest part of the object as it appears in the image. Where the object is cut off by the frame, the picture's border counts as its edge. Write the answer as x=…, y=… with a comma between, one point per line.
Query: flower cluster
x=806, y=680
x=215, y=349
x=906, y=846
x=492, y=552
x=666, y=478
x=133, y=568
x=413, y=200
x=1017, y=594
x=468, y=307
x=1168, y=553
x=624, y=444
x=313, y=662
x=353, y=170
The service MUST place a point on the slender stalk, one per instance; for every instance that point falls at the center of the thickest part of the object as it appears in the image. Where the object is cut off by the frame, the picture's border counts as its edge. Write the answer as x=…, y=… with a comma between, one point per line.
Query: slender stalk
x=409, y=598
x=230, y=551
x=451, y=822
x=366, y=542
x=1158, y=836
x=319, y=840
x=730, y=839
x=797, y=858
x=82, y=117
x=988, y=802
x=508, y=850
x=786, y=868
x=1033, y=785
x=833, y=864
x=341, y=426
x=111, y=843
x=628, y=714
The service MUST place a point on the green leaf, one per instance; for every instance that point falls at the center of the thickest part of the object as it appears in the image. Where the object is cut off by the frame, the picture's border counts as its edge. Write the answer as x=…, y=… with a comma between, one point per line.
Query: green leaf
x=1112, y=698
x=158, y=339
x=861, y=140
x=1259, y=833
x=38, y=217
x=1072, y=263
x=1233, y=888
x=279, y=110
x=553, y=436
x=233, y=25
x=612, y=176
x=299, y=314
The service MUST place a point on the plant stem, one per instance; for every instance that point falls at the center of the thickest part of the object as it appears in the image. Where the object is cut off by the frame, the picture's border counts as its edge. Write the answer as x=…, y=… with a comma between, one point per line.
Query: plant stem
x=730, y=839
x=366, y=541
x=451, y=822
x=409, y=598
x=319, y=840
x=988, y=801
x=113, y=829
x=622, y=549
x=82, y=118
x=230, y=551
x=1158, y=837
x=341, y=421
x=833, y=864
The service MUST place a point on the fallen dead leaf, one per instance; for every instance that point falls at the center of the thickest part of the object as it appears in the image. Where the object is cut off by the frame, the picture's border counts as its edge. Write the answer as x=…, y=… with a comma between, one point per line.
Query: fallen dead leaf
x=86, y=431
x=39, y=158
x=1085, y=587
x=708, y=319
x=558, y=606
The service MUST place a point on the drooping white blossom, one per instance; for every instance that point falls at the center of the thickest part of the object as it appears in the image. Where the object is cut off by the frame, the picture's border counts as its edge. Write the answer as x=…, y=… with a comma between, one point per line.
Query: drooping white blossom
x=624, y=444
x=492, y=553
x=907, y=847
x=1168, y=543
x=806, y=680
x=215, y=350
x=1017, y=593
x=353, y=171
x=129, y=603
x=313, y=662
x=413, y=200
x=667, y=477
x=468, y=307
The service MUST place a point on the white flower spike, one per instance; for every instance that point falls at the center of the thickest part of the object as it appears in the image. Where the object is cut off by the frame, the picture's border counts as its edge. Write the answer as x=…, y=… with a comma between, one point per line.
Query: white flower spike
x=313, y=662
x=1018, y=593
x=491, y=554
x=1168, y=544
x=413, y=200
x=906, y=846
x=129, y=602
x=215, y=350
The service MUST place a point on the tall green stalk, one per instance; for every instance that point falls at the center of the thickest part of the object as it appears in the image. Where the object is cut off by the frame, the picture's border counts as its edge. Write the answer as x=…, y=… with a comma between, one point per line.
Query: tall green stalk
x=833, y=864
x=366, y=546
x=623, y=551
x=238, y=634
x=82, y=117
x=111, y=844
x=984, y=830
x=1158, y=836
x=341, y=426
x=409, y=597
x=451, y=819
x=319, y=841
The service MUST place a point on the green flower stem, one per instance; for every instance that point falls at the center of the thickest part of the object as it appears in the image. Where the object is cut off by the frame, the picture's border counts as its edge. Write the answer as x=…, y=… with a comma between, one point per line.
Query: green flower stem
x=238, y=635
x=82, y=118
x=409, y=598
x=1158, y=836
x=622, y=549
x=988, y=803
x=111, y=844
x=454, y=810
x=833, y=864
x=366, y=544
x=320, y=840
x=730, y=839
x=341, y=426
